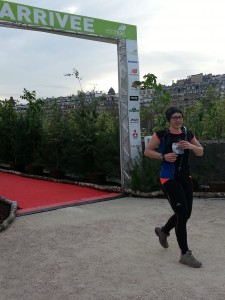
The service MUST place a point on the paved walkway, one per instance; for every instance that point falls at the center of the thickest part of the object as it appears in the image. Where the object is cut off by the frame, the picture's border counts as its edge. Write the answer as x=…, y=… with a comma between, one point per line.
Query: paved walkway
x=108, y=251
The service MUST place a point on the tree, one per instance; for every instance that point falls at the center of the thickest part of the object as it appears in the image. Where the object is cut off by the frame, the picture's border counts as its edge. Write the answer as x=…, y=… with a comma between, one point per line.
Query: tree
x=160, y=101
x=76, y=74
x=54, y=137
x=193, y=118
x=107, y=151
x=34, y=124
x=148, y=82
x=8, y=120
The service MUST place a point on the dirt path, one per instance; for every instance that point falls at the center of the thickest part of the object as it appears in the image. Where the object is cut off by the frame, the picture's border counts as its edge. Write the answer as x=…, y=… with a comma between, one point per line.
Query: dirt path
x=108, y=251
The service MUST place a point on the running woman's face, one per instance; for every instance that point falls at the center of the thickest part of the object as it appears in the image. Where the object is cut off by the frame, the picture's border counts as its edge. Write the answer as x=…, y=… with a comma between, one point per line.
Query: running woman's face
x=176, y=121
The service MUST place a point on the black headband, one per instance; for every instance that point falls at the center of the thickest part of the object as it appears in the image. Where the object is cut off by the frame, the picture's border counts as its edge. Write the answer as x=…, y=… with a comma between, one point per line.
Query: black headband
x=172, y=110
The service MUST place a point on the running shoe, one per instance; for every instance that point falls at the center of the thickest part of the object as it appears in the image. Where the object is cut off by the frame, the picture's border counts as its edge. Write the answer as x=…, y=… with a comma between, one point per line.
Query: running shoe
x=189, y=260
x=162, y=237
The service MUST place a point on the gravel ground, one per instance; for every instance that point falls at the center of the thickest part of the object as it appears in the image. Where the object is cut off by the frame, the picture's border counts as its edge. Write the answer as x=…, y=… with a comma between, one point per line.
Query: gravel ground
x=108, y=251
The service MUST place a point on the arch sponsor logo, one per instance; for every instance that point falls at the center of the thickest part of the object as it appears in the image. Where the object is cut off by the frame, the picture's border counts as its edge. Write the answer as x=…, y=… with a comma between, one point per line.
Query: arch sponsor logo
x=134, y=98
x=134, y=71
x=134, y=120
x=135, y=134
x=133, y=52
x=120, y=32
x=136, y=146
x=134, y=109
x=132, y=61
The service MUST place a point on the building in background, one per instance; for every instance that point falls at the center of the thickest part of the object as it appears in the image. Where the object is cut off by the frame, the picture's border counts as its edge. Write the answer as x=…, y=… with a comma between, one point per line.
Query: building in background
x=185, y=91
x=108, y=102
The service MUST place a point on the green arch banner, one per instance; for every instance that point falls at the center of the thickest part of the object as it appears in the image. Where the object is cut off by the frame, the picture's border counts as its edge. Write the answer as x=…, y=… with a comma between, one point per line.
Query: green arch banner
x=25, y=14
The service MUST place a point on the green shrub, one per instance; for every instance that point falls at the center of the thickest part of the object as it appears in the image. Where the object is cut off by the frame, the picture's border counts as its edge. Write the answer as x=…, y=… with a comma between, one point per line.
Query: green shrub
x=145, y=174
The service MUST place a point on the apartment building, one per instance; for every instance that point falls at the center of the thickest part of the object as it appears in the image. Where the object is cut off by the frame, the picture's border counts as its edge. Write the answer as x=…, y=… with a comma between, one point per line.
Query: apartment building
x=185, y=91
x=108, y=102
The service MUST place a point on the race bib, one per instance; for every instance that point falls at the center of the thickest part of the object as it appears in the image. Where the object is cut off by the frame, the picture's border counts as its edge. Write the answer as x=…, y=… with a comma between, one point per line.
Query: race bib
x=176, y=149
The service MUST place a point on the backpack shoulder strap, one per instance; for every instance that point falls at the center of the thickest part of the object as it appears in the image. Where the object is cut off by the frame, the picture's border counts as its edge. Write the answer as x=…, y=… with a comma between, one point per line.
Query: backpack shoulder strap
x=185, y=132
x=166, y=139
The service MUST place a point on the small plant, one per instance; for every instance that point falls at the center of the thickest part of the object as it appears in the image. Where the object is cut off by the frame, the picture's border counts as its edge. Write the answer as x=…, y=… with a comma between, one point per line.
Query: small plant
x=145, y=174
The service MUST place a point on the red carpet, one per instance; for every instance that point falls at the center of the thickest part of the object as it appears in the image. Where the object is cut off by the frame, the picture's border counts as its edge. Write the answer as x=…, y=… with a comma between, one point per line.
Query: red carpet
x=34, y=195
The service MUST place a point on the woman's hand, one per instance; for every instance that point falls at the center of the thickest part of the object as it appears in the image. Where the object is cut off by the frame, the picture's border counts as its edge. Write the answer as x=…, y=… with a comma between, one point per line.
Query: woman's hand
x=170, y=157
x=185, y=145
x=195, y=146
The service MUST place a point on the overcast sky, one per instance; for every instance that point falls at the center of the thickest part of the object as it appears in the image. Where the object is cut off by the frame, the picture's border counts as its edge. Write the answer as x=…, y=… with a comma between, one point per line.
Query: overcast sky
x=176, y=39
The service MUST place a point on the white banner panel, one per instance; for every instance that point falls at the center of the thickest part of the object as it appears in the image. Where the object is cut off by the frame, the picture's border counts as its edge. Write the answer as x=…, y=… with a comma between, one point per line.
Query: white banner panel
x=133, y=98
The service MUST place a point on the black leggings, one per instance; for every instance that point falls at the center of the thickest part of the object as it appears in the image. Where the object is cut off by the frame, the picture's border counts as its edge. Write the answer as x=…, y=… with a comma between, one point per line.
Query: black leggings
x=179, y=192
